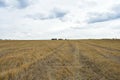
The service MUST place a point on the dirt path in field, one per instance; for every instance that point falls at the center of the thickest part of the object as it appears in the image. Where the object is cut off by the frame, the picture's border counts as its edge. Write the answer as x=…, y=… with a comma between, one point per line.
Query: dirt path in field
x=61, y=64
x=94, y=72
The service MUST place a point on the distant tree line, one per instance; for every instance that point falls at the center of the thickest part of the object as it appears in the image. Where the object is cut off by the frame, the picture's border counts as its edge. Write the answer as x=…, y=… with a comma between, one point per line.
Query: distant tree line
x=5, y=39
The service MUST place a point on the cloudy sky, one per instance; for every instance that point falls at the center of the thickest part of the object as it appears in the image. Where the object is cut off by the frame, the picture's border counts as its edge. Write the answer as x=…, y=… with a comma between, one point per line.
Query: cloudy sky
x=46, y=19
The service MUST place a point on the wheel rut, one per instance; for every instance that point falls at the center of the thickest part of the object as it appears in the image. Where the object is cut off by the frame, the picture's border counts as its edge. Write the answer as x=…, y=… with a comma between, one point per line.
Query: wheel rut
x=105, y=53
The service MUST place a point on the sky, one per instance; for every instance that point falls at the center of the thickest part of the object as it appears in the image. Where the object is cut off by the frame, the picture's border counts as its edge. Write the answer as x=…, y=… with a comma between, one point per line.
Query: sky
x=71, y=19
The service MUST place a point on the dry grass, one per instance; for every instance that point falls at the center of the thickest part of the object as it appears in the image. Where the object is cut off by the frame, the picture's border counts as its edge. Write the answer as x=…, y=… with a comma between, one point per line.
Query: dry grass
x=60, y=60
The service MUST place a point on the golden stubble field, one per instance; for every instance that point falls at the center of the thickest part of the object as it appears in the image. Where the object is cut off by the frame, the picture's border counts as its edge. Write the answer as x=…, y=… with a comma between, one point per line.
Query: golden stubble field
x=60, y=60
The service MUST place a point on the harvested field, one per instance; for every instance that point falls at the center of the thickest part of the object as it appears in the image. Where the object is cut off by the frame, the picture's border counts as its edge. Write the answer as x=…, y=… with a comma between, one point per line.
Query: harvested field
x=60, y=60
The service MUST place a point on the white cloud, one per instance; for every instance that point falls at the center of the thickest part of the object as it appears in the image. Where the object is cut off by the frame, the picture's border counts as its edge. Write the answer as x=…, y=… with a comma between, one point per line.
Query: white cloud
x=43, y=19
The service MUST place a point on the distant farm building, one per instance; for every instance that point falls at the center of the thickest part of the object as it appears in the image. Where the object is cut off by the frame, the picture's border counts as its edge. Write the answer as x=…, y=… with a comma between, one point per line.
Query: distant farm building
x=58, y=39
x=54, y=39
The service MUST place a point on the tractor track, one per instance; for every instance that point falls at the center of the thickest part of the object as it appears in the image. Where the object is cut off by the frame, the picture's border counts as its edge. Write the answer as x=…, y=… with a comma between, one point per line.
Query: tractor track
x=108, y=54
x=39, y=69
x=98, y=72
x=54, y=62
x=106, y=48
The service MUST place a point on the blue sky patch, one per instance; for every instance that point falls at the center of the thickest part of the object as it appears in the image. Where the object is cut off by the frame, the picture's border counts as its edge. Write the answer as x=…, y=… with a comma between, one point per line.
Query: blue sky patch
x=2, y=3
x=22, y=4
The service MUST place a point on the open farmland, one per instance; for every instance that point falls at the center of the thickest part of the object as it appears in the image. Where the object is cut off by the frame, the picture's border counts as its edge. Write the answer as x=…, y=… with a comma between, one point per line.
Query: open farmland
x=60, y=60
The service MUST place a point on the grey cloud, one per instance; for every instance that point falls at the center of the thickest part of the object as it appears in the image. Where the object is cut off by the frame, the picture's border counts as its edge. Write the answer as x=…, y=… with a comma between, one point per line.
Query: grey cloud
x=22, y=4
x=55, y=13
x=102, y=17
